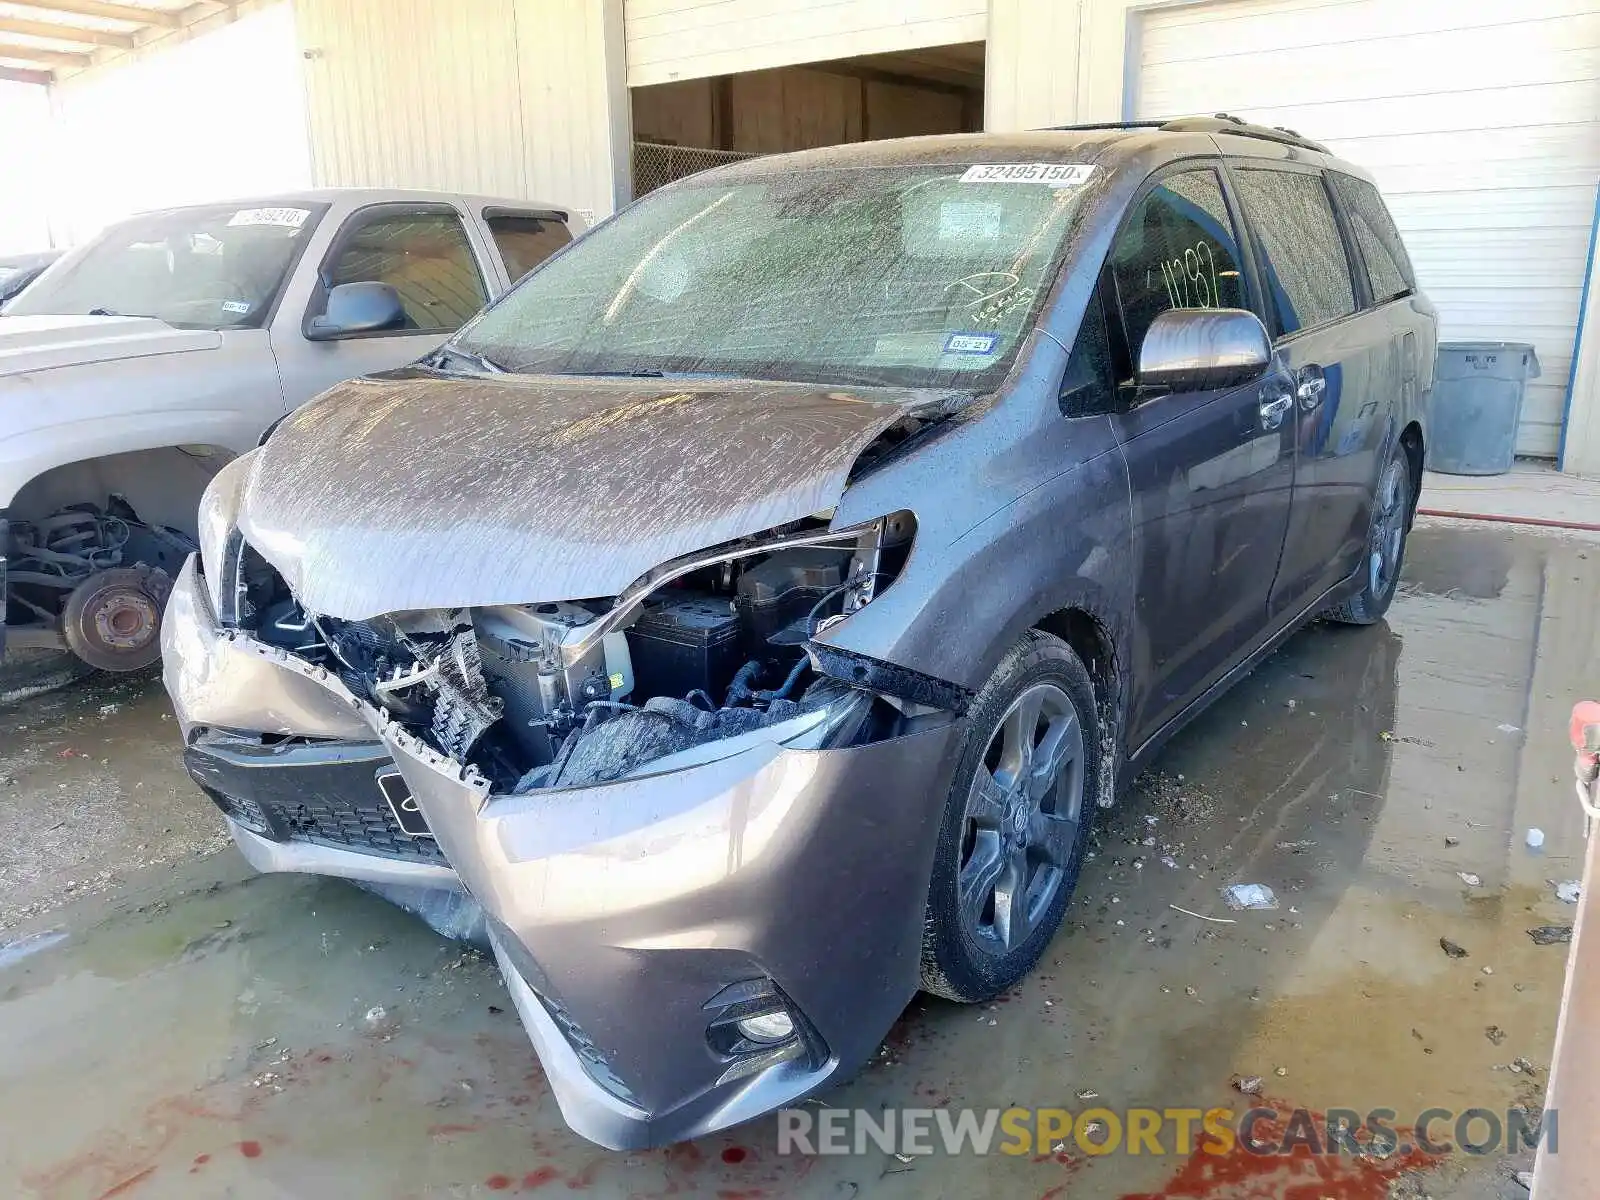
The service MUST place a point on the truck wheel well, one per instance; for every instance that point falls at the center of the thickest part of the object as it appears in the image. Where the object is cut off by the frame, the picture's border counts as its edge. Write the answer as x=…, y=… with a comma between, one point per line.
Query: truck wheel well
x=163, y=484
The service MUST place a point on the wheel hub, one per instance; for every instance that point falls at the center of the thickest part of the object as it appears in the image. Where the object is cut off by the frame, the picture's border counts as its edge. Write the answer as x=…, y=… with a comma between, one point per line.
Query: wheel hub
x=112, y=620
x=126, y=620
x=1019, y=809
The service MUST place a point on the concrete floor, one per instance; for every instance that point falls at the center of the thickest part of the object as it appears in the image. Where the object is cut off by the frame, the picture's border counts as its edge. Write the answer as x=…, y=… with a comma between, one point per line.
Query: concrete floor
x=1531, y=491
x=176, y=1027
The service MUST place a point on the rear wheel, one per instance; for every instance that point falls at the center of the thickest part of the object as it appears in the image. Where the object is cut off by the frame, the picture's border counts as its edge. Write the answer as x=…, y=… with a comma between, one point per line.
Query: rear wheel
x=1386, y=546
x=1016, y=822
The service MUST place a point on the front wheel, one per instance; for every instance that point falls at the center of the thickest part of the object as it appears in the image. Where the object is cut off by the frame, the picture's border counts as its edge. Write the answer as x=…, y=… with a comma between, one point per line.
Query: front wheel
x=112, y=620
x=1386, y=546
x=1016, y=822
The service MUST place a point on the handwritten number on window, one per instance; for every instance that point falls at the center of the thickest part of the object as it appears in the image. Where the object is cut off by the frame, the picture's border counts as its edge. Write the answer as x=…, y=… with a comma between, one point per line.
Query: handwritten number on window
x=1191, y=278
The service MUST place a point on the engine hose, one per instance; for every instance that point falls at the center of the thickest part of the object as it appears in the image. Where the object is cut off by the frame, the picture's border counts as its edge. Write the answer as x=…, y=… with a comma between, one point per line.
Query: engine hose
x=740, y=689
x=782, y=693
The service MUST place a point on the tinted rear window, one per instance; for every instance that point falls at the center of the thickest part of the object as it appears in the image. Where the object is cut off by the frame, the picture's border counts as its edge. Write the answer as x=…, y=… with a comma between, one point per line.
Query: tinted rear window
x=1388, y=267
x=1303, y=258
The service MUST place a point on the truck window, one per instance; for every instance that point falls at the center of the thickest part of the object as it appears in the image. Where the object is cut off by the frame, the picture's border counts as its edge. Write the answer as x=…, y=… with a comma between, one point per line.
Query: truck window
x=525, y=241
x=1177, y=249
x=425, y=257
x=1303, y=258
x=215, y=266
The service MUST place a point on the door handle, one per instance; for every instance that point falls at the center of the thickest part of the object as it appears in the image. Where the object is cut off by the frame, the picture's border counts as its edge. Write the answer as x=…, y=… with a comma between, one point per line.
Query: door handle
x=1272, y=410
x=1310, y=386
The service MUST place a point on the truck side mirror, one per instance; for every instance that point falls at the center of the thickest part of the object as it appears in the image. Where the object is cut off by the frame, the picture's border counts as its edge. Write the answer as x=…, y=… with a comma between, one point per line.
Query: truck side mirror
x=357, y=308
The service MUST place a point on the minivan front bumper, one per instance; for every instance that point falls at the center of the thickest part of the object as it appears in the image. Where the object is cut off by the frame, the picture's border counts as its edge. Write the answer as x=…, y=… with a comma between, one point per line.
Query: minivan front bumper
x=638, y=921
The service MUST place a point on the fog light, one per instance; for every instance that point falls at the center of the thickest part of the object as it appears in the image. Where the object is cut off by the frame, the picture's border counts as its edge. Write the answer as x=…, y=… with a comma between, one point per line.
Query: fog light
x=767, y=1027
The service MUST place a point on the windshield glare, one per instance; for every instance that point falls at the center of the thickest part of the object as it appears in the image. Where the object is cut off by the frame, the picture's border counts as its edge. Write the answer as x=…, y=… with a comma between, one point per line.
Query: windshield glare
x=911, y=277
x=217, y=267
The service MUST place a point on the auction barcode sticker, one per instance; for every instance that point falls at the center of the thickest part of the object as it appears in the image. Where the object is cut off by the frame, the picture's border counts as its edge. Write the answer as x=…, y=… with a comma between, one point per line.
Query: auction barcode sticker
x=1052, y=174
x=289, y=218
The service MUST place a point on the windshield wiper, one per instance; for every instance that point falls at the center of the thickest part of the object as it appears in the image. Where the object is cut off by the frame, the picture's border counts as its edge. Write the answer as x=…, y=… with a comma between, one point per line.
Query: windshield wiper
x=102, y=312
x=441, y=358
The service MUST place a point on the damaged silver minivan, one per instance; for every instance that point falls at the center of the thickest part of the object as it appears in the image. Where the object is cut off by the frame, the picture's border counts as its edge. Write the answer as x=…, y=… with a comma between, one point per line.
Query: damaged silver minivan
x=753, y=607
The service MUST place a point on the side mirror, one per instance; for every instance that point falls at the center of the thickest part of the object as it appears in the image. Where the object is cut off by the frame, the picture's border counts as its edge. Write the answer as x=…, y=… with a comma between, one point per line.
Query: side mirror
x=1201, y=349
x=355, y=308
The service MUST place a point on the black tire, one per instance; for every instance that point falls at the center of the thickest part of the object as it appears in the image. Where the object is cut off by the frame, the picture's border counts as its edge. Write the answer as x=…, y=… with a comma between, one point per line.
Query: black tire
x=1392, y=509
x=962, y=958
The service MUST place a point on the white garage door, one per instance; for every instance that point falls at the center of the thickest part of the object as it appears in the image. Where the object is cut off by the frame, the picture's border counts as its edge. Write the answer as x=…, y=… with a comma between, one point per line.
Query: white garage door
x=1480, y=121
x=690, y=39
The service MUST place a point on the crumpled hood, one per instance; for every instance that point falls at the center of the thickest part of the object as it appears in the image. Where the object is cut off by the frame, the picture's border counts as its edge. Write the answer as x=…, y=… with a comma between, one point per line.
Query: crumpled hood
x=44, y=343
x=415, y=491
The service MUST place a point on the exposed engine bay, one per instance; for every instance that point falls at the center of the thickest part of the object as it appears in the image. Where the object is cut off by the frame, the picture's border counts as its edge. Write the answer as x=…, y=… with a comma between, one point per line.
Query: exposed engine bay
x=567, y=694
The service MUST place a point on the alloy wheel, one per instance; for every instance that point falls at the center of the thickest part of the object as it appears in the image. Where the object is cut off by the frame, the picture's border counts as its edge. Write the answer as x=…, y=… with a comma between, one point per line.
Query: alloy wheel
x=1388, y=528
x=1022, y=816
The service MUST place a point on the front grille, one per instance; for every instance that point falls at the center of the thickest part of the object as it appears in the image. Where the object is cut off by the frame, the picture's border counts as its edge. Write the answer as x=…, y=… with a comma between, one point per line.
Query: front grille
x=349, y=824
x=303, y=790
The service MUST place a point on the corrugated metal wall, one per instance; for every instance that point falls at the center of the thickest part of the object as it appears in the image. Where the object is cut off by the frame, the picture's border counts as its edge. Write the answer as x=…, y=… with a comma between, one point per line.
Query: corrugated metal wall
x=1480, y=122
x=690, y=39
x=576, y=129
x=1031, y=73
x=508, y=97
x=413, y=93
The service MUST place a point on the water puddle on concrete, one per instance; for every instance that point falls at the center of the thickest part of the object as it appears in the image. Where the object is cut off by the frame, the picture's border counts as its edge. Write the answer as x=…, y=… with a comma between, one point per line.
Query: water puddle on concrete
x=202, y=1032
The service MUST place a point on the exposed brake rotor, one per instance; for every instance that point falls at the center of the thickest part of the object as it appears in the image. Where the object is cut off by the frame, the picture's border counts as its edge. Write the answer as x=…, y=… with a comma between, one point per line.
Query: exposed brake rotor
x=112, y=620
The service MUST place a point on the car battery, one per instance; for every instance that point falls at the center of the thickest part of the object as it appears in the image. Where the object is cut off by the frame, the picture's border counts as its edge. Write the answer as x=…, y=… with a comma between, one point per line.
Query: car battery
x=684, y=642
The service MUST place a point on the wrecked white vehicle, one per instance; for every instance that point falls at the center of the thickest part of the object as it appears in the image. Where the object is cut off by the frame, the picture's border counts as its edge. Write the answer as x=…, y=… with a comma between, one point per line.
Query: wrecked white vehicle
x=755, y=605
x=140, y=363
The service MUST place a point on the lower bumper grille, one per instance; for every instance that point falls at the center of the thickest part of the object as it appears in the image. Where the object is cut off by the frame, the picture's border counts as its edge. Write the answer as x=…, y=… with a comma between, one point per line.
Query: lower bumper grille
x=300, y=791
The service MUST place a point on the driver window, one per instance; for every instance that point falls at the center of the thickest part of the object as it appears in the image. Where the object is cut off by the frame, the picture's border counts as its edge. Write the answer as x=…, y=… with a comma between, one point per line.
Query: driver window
x=1176, y=250
x=425, y=257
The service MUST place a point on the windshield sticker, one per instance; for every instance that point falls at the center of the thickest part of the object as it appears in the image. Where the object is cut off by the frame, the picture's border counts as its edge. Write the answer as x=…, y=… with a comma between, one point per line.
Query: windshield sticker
x=1052, y=174
x=236, y=306
x=981, y=344
x=961, y=221
x=287, y=218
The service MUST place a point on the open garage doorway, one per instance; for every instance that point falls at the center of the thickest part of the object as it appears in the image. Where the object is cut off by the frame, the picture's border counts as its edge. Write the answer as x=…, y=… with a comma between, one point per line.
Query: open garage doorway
x=687, y=126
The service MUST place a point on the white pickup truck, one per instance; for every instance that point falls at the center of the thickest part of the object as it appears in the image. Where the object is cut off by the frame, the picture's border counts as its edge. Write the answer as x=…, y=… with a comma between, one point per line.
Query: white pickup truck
x=141, y=363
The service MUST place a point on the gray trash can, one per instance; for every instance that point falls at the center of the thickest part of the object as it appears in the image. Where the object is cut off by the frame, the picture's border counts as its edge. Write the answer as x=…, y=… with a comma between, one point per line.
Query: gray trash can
x=1476, y=404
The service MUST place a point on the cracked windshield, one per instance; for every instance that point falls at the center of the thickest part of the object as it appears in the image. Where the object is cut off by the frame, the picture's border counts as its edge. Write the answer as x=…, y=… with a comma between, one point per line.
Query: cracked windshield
x=926, y=277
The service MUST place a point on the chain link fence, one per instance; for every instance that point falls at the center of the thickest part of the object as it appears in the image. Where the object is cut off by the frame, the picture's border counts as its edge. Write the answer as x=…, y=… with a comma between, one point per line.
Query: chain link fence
x=655, y=164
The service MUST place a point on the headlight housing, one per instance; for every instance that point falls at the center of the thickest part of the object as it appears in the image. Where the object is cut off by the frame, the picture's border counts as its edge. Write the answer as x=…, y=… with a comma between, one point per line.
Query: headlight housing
x=220, y=542
x=879, y=549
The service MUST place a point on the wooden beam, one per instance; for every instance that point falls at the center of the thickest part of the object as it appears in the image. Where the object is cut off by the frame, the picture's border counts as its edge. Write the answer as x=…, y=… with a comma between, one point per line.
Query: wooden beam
x=66, y=33
x=50, y=58
x=20, y=75
x=106, y=12
x=722, y=112
x=873, y=75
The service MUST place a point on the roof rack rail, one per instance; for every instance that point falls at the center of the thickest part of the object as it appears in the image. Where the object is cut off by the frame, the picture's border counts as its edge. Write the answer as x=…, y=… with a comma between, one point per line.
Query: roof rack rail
x=1090, y=125
x=1227, y=123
